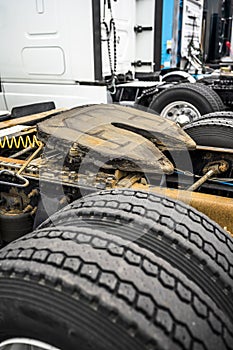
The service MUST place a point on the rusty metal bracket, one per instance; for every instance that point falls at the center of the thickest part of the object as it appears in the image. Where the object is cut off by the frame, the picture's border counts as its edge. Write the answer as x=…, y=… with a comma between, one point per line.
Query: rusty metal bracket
x=210, y=170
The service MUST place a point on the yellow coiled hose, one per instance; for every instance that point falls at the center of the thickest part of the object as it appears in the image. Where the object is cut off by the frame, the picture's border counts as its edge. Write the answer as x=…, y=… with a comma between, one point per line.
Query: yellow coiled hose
x=25, y=142
x=19, y=142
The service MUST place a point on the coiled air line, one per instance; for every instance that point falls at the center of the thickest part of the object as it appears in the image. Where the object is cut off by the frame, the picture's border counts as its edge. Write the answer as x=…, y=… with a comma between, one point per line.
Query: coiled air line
x=26, y=142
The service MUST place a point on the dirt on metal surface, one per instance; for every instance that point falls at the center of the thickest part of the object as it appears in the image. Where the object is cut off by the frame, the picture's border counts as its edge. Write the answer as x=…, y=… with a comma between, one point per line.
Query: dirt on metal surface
x=85, y=119
x=12, y=160
x=118, y=133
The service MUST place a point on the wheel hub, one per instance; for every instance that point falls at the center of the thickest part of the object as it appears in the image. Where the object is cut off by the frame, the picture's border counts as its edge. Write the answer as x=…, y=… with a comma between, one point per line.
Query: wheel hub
x=181, y=112
x=25, y=344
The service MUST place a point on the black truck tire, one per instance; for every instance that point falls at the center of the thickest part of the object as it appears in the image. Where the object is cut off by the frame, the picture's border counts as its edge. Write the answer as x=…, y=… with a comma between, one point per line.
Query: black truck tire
x=186, y=99
x=13, y=226
x=218, y=114
x=81, y=288
x=212, y=131
x=178, y=233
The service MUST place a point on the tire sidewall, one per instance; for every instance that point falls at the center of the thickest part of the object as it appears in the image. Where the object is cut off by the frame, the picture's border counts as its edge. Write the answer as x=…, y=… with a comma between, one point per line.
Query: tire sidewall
x=200, y=102
x=56, y=318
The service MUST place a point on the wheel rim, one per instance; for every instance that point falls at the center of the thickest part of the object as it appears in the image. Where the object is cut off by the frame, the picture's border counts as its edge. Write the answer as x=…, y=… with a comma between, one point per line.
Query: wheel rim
x=181, y=112
x=25, y=344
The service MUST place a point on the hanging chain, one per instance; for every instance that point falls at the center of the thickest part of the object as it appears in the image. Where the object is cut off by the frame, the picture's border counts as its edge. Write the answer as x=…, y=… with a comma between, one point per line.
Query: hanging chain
x=111, y=28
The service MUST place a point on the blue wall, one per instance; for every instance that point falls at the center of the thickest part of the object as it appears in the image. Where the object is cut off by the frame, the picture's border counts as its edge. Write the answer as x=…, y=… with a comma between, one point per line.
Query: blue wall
x=167, y=22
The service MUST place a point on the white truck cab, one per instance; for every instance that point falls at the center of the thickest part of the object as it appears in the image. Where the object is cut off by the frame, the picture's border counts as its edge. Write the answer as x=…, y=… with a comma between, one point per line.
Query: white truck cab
x=67, y=51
